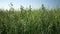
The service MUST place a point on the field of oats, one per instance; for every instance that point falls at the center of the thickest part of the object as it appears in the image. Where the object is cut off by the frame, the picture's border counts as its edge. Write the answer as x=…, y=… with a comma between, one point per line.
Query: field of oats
x=23, y=21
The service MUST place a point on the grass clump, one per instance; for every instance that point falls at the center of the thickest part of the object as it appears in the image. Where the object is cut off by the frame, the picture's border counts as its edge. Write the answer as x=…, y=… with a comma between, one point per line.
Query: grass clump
x=42, y=21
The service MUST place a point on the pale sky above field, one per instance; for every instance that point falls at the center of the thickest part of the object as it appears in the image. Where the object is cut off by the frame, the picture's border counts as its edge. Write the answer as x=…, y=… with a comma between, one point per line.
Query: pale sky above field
x=34, y=3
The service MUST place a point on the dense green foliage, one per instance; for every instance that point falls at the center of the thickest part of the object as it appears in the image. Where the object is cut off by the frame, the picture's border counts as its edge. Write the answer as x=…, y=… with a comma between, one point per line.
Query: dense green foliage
x=30, y=21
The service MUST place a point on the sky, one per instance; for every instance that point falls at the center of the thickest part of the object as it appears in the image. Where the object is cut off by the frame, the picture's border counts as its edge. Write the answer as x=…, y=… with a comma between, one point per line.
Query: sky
x=5, y=4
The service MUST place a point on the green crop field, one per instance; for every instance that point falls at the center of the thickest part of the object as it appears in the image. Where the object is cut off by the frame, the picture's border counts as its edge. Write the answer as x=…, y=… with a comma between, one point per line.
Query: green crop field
x=29, y=21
